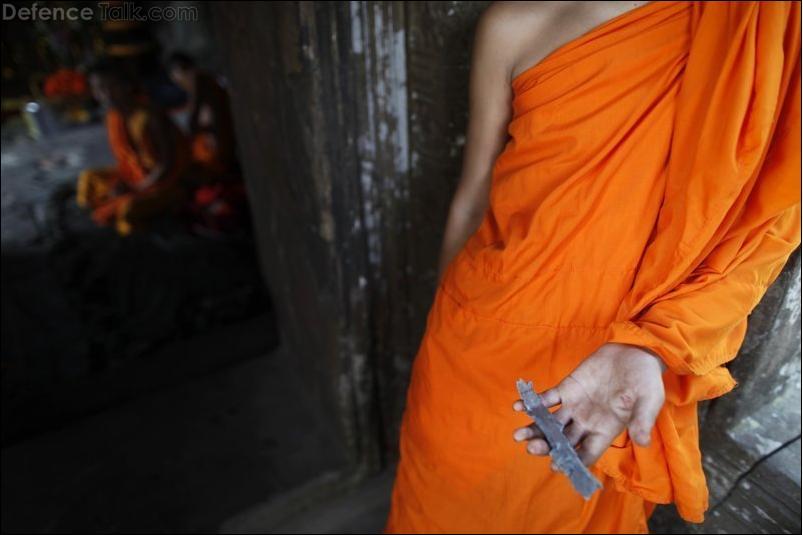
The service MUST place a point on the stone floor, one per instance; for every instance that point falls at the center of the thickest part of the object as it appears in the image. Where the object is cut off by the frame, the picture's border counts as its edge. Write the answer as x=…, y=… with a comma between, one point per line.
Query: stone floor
x=33, y=170
x=183, y=459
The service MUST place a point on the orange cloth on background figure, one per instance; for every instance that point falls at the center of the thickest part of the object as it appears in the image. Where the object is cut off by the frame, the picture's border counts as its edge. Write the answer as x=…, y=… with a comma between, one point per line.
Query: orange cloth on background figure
x=649, y=194
x=115, y=194
x=219, y=201
x=213, y=145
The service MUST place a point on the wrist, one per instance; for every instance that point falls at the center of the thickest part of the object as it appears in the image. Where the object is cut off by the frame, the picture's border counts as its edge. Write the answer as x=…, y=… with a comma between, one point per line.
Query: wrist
x=646, y=352
x=654, y=355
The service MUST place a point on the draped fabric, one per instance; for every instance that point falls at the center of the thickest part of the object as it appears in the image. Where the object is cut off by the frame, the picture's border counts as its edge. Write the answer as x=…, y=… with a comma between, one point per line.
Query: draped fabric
x=116, y=195
x=649, y=193
x=129, y=166
x=134, y=149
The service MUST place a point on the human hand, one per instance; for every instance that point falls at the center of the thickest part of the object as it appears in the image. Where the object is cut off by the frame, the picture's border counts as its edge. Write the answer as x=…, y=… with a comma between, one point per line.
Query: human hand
x=618, y=386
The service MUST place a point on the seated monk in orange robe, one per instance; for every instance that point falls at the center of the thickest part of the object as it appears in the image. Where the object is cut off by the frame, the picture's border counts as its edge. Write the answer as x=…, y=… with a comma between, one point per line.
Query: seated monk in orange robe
x=211, y=130
x=625, y=203
x=219, y=198
x=152, y=159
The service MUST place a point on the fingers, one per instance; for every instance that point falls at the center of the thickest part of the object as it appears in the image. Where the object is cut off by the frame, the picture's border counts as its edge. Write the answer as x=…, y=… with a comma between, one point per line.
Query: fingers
x=551, y=397
x=563, y=415
x=536, y=444
x=645, y=411
x=575, y=432
x=538, y=447
x=592, y=447
x=527, y=433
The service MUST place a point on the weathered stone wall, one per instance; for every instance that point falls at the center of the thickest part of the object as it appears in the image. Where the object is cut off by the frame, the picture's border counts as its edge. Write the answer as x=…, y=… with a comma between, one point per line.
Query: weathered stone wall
x=350, y=118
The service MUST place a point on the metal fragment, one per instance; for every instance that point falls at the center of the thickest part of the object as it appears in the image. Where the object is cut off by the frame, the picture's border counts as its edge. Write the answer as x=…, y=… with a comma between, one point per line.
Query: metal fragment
x=564, y=456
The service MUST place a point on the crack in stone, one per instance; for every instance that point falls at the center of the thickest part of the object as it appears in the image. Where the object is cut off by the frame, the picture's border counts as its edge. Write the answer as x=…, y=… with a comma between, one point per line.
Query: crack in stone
x=750, y=470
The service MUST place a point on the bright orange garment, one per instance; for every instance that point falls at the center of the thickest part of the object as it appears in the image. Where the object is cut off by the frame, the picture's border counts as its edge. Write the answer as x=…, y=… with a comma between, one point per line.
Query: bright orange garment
x=649, y=194
x=116, y=195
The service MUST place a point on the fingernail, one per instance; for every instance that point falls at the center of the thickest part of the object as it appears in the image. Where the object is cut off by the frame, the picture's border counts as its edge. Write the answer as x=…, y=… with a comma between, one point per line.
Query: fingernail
x=521, y=434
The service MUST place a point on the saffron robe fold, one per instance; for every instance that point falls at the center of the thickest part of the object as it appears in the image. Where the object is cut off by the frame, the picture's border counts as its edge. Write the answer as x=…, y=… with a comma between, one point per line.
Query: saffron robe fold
x=649, y=193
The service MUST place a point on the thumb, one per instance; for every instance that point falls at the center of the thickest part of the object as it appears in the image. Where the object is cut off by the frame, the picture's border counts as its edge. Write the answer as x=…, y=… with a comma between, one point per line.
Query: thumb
x=642, y=419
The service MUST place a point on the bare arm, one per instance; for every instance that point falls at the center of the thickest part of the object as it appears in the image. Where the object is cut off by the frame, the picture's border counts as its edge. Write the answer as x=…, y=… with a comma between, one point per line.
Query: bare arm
x=489, y=113
x=164, y=152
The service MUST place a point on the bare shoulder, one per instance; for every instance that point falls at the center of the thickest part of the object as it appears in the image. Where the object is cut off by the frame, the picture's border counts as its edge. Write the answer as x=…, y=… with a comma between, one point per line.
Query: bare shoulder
x=523, y=33
x=508, y=28
x=512, y=21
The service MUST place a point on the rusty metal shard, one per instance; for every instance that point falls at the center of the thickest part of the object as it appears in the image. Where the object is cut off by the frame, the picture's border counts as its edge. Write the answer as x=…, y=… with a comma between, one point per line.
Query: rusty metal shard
x=564, y=456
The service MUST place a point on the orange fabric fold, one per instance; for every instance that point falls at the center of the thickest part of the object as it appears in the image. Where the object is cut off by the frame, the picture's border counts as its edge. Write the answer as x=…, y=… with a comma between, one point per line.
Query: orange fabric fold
x=649, y=194
x=134, y=149
x=129, y=167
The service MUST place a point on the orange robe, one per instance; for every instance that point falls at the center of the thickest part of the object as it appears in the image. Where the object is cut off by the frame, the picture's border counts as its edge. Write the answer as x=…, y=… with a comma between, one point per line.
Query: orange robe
x=219, y=200
x=649, y=194
x=116, y=195
x=213, y=146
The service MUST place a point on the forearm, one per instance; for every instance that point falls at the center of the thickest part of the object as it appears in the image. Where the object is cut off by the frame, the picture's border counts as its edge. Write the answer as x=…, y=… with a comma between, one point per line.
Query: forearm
x=462, y=222
x=490, y=97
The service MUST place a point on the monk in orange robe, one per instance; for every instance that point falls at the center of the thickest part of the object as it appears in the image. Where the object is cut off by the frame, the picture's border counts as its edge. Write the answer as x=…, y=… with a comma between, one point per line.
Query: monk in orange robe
x=151, y=153
x=219, y=193
x=211, y=129
x=639, y=200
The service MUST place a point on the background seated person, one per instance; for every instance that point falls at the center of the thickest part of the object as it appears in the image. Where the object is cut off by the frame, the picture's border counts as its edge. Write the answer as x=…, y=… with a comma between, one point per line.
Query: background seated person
x=152, y=158
x=219, y=199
